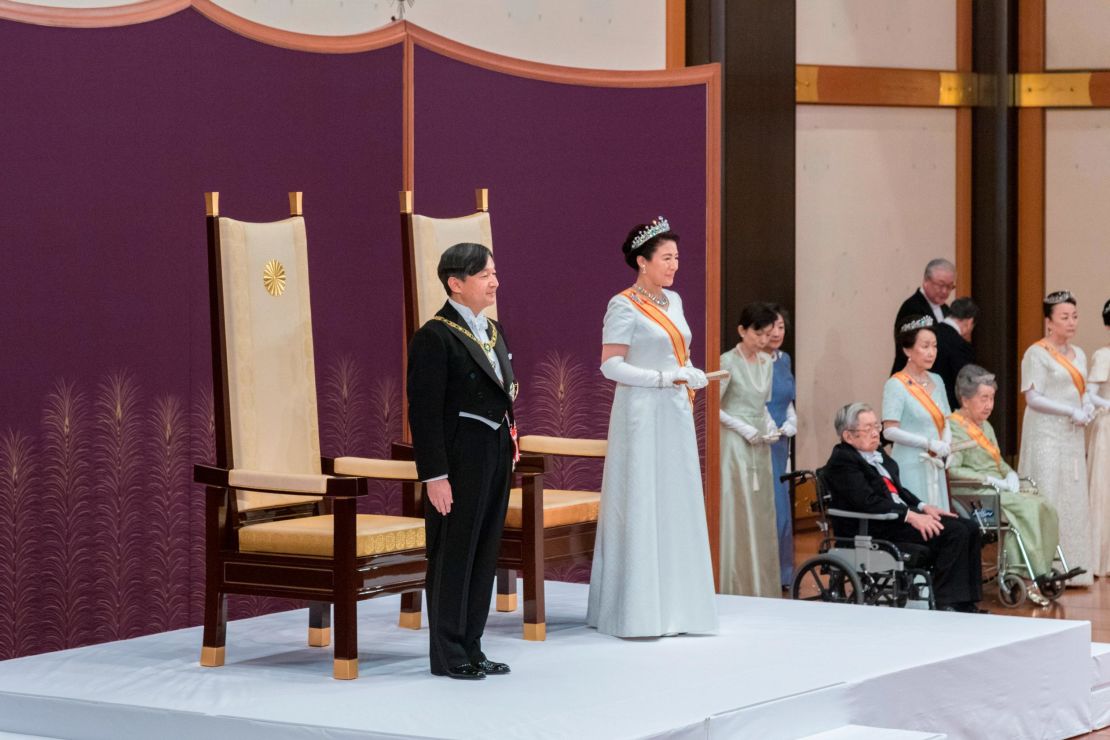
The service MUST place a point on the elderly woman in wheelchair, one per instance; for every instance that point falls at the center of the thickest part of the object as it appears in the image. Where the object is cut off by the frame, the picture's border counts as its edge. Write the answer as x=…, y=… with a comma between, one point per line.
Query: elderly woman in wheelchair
x=885, y=541
x=1008, y=510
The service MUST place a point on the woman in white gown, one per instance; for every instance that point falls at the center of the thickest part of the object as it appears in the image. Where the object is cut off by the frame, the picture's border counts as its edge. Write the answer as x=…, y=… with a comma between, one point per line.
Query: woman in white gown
x=1098, y=452
x=1057, y=408
x=652, y=574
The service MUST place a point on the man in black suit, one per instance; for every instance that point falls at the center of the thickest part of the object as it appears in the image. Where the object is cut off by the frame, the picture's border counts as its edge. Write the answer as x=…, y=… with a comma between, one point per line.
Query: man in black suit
x=460, y=392
x=954, y=349
x=864, y=479
x=928, y=300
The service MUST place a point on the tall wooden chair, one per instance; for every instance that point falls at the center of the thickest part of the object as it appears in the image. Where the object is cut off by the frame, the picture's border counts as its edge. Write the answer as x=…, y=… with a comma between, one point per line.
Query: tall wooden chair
x=541, y=527
x=280, y=520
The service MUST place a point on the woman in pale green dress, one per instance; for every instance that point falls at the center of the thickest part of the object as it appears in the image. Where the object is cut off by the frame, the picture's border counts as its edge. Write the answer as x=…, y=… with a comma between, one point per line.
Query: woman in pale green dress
x=749, y=536
x=976, y=457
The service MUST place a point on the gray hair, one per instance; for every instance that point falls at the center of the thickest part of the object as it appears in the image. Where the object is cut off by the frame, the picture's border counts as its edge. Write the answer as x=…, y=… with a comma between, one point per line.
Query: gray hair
x=848, y=416
x=970, y=378
x=939, y=265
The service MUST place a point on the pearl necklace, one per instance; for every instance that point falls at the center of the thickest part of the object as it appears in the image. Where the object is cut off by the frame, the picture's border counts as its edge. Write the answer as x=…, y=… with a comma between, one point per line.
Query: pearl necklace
x=661, y=301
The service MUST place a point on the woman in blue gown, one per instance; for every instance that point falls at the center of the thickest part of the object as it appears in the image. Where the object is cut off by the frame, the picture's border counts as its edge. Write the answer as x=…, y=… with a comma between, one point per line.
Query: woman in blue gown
x=782, y=411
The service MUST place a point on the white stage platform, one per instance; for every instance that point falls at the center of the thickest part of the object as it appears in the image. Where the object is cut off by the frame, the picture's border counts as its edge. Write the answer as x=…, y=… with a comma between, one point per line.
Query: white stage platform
x=778, y=669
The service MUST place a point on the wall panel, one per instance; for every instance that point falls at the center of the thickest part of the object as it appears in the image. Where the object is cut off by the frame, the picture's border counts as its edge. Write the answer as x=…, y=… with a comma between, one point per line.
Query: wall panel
x=1075, y=34
x=877, y=33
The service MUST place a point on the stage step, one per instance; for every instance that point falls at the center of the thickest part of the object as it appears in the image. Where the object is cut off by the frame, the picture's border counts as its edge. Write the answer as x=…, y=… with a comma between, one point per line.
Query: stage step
x=859, y=732
x=1100, y=689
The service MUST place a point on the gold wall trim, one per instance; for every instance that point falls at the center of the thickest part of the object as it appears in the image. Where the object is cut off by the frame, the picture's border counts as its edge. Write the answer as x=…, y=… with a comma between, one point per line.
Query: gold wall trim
x=1052, y=90
x=805, y=83
x=881, y=86
x=957, y=89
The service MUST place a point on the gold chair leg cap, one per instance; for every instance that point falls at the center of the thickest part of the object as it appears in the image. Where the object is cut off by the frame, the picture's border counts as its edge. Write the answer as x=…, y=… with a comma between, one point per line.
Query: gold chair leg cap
x=211, y=657
x=536, y=632
x=346, y=670
x=319, y=636
x=506, y=602
x=409, y=620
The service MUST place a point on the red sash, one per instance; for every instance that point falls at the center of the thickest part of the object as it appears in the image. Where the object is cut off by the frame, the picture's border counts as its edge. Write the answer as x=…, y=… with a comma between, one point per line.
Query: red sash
x=1076, y=376
x=924, y=399
x=657, y=315
x=981, y=438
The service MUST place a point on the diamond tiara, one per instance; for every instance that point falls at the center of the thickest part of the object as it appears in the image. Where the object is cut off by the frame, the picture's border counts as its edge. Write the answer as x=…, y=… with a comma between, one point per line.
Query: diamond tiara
x=922, y=323
x=1060, y=296
x=654, y=229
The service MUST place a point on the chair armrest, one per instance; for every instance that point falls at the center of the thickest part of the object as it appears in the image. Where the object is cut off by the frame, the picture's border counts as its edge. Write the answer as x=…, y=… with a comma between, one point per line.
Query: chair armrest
x=569, y=446
x=368, y=467
x=888, y=517
x=965, y=483
x=292, y=484
x=531, y=465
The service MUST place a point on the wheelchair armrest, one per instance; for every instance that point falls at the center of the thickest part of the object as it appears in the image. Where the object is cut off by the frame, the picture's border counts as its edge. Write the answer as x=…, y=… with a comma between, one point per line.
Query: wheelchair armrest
x=800, y=475
x=888, y=517
x=965, y=483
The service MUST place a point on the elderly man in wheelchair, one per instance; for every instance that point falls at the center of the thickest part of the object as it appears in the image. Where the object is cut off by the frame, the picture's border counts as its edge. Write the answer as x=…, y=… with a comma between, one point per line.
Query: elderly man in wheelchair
x=884, y=532
x=1009, y=511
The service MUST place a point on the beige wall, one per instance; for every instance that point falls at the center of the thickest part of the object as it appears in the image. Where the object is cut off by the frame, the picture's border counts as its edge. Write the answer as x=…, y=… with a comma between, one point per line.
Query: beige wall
x=603, y=34
x=1077, y=34
x=1077, y=214
x=875, y=202
x=915, y=34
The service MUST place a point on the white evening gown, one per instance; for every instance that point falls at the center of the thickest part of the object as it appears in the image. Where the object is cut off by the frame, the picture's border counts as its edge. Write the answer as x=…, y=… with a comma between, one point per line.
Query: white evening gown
x=652, y=574
x=1098, y=464
x=1053, y=455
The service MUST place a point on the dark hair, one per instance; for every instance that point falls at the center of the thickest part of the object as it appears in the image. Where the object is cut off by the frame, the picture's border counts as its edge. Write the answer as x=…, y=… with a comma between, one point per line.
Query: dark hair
x=461, y=261
x=1052, y=300
x=964, y=308
x=1106, y=313
x=647, y=249
x=756, y=316
x=781, y=311
x=908, y=338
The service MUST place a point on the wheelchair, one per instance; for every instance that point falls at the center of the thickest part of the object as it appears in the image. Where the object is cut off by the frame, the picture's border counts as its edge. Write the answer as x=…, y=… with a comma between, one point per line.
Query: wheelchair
x=1013, y=579
x=859, y=569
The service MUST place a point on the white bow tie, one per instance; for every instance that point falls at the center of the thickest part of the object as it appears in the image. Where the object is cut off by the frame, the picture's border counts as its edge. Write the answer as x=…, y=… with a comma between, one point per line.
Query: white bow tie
x=481, y=323
x=875, y=458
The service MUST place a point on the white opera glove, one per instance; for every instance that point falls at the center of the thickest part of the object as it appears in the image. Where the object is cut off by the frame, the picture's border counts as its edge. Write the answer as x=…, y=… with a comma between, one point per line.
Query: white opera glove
x=747, y=431
x=619, y=371
x=996, y=483
x=940, y=448
x=900, y=436
x=1039, y=402
x=695, y=379
x=1094, y=399
x=1013, y=483
x=789, y=427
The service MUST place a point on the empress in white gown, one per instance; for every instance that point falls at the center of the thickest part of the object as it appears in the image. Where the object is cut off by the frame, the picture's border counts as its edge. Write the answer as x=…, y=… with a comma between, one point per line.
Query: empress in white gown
x=1053, y=455
x=652, y=574
x=1098, y=463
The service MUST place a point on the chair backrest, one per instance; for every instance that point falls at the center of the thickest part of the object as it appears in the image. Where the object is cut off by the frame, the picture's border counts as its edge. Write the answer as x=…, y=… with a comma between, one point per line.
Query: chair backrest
x=426, y=239
x=265, y=384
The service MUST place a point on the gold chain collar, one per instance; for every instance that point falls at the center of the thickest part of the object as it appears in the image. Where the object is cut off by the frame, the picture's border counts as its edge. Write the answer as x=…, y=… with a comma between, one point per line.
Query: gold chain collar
x=487, y=347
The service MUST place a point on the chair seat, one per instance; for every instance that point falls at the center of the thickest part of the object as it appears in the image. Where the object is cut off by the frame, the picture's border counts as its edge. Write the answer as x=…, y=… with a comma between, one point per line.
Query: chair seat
x=375, y=534
x=559, y=508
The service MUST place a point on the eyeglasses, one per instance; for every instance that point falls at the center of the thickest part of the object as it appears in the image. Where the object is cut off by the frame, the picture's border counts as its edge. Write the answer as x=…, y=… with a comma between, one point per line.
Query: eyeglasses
x=876, y=427
x=944, y=286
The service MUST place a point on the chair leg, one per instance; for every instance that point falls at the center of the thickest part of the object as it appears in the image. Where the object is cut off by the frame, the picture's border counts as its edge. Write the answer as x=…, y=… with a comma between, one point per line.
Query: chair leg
x=215, y=629
x=319, y=623
x=410, y=610
x=506, y=590
x=346, y=636
x=535, y=624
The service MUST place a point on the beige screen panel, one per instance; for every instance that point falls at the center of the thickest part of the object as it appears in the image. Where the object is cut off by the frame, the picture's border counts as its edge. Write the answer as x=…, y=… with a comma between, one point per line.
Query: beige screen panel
x=271, y=371
x=1077, y=215
x=1076, y=33
x=913, y=34
x=431, y=237
x=875, y=202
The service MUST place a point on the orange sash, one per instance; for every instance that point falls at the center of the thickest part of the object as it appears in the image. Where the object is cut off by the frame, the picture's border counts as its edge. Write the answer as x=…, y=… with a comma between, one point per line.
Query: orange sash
x=924, y=399
x=656, y=314
x=976, y=433
x=1076, y=376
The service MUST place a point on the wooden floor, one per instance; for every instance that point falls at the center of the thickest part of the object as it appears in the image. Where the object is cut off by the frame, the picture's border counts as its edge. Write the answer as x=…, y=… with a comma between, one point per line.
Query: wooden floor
x=1090, y=604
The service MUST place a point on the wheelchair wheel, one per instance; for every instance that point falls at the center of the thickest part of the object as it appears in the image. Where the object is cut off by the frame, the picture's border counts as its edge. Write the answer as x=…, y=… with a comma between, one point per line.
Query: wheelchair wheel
x=1051, y=587
x=1011, y=590
x=829, y=579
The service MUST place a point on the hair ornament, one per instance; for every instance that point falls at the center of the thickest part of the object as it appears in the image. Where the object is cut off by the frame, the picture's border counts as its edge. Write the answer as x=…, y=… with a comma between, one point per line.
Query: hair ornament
x=923, y=323
x=1060, y=296
x=654, y=229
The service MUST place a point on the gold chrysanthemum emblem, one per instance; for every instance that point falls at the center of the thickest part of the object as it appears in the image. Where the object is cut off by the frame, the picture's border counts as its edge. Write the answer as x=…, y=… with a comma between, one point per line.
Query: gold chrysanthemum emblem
x=273, y=278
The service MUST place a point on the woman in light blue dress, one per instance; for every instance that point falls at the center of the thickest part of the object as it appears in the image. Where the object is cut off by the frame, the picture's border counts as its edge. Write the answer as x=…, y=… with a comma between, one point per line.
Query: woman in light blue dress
x=915, y=415
x=782, y=411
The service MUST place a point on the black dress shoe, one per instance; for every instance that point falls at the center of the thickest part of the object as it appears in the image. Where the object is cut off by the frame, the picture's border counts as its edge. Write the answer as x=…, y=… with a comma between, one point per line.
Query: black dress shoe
x=491, y=668
x=464, y=672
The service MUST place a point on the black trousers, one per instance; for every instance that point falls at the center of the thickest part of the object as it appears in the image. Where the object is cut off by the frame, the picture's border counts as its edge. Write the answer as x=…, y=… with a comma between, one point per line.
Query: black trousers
x=955, y=555
x=463, y=545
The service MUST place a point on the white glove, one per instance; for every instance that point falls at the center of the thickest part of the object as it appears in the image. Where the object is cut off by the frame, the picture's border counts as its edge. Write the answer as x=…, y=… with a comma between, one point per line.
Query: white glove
x=996, y=483
x=1081, y=417
x=695, y=379
x=1094, y=398
x=788, y=428
x=1013, y=483
x=619, y=371
x=747, y=431
x=1039, y=402
x=900, y=436
x=939, y=447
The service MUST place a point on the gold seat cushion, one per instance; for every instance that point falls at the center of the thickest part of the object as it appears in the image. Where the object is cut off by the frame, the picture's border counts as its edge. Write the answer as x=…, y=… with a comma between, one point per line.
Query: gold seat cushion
x=374, y=534
x=559, y=508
